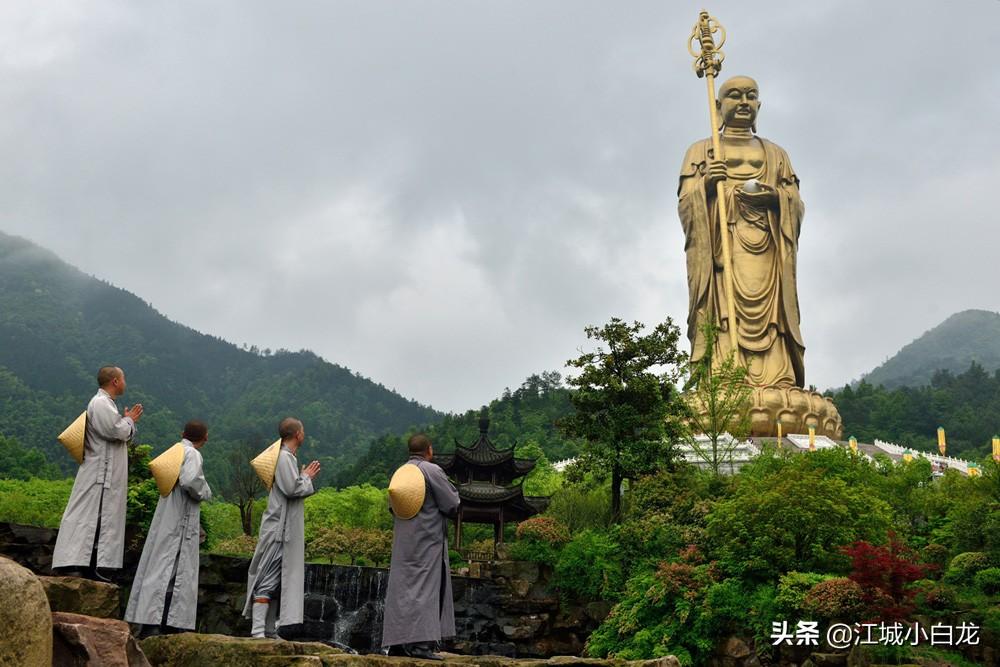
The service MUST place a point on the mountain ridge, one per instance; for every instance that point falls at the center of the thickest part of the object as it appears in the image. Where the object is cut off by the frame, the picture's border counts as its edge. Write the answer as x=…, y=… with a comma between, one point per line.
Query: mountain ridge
x=58, y=326
x=964, y=337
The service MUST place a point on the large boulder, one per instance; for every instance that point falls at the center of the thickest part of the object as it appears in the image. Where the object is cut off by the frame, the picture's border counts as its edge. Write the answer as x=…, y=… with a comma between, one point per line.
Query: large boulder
x=82, y=596
x=25, y=619
x=85, y=641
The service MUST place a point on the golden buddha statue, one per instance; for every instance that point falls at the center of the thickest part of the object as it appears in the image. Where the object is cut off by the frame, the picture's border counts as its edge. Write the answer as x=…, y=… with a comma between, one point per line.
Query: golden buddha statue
x=764, y=219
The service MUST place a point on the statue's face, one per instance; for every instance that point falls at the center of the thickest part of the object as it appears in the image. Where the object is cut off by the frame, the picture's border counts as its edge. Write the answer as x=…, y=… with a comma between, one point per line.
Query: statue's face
x=739, y=102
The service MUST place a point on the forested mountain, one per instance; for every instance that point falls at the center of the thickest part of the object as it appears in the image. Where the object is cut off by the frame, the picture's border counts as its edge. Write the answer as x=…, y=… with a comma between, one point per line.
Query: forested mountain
x=58, y=326
x=967, y=405
x=965, y=337
x=526, y=417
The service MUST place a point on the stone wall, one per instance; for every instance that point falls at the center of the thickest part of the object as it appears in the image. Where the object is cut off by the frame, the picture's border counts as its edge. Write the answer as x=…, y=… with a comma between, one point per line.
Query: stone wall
x=504, y=608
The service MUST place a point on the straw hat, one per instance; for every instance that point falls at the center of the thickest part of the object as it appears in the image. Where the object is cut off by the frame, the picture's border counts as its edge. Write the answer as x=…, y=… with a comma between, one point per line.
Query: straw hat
x=406, y=491
x=266, y=463
x=167, y=467
x=72, y=437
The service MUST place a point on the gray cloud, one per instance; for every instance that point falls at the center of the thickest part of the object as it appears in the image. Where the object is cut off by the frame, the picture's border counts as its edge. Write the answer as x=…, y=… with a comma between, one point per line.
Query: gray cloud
x=440, y=195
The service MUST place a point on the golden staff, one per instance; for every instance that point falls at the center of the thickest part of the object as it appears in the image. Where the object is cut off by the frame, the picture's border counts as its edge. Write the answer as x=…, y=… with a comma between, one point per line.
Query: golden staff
x=707, y=65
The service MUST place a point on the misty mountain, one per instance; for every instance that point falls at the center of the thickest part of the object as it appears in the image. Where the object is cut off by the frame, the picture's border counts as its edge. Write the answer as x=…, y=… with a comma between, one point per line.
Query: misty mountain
x=58, y=326
x=965, y=337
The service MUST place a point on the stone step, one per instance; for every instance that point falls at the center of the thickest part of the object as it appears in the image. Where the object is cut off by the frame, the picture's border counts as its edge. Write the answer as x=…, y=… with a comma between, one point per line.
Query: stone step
x=189, y=649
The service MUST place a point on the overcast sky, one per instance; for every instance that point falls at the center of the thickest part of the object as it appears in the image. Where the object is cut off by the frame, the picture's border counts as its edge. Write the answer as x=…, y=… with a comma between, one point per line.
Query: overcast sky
x=441, y=195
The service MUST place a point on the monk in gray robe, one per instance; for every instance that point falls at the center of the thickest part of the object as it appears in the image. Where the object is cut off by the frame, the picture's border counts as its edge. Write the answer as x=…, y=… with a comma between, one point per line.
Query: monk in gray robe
x=165, y=590
x=419, y=610
x=276, y=581
x=92, y=531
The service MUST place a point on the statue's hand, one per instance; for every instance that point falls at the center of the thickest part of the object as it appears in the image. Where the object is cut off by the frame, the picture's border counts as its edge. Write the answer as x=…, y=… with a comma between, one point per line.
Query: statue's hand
x=716, y=172
x=766, y=197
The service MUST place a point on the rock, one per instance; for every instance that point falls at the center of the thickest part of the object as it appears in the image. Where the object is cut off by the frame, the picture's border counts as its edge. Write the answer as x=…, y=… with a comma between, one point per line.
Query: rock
x=524, y=627
x=857, y=658
x=85, y=641
x=82, y=596
x=520, y=587
x=599, y=610
x=25, y=619
x=829, y=659
x=734, y=647
x=665, y=661
x=192, y=650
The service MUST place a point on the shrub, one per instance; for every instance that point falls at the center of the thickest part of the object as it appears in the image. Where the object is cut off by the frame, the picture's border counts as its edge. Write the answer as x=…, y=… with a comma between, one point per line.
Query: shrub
x=140, y=507
x=589, y=568
x=241, y=545
x=34, y=502
x=933, y=596
x=658, y=616
x=352, y=507
x=579, y=506
x=786, y=515
x=221, y=521
x=645, y=540
x=838, y=598
x=355, y=545
x=730, y=608
x=538, y=540
x=935, y=557
x=964, y=567
x=792, y=590
x=543, y=529
x=988, y=580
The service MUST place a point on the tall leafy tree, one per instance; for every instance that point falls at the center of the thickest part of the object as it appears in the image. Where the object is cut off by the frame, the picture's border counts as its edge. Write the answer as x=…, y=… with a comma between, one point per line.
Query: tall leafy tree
x=242, y=486
x=719, y=398
x=628, y=409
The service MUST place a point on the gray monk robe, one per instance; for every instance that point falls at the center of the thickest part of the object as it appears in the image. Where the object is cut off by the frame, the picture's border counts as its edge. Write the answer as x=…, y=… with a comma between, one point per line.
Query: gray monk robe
x=99, y=491
x=418, y=603
x=282, y=537
x=171, y=551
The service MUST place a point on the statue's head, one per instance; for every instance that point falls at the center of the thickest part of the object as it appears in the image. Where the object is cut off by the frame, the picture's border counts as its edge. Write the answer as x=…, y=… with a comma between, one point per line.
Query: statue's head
x=738, y=102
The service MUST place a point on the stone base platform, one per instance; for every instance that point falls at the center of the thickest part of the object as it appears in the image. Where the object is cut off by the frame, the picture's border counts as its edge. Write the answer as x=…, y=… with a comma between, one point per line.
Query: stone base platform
x=797, y=409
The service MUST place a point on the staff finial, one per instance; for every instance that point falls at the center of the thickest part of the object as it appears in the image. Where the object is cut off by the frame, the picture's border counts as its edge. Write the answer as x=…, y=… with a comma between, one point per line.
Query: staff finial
x=709, y=56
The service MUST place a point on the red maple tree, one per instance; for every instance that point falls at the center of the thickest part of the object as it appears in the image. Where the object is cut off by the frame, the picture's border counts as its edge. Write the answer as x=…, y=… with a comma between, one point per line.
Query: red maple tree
x=883, y=572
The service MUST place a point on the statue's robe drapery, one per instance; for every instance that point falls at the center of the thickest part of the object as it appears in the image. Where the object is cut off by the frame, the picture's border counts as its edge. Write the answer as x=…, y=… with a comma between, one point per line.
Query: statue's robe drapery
x=764, y=248
x=418, y=598
x=100, y=491
x=171, y=551
x=282, y=536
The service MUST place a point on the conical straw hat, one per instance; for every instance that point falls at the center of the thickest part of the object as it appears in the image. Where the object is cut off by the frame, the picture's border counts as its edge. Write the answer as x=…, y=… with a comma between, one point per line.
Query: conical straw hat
x=166, y=468
x=406, y=491
x=72, y=438
x=266, y=462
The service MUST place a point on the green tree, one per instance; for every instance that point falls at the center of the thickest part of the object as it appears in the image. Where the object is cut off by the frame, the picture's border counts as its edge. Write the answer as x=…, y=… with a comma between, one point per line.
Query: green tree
x=719, y=400
x=18, y=462
x=628, y=410
x=543, y=480
x=242, y=486
x=794, y=512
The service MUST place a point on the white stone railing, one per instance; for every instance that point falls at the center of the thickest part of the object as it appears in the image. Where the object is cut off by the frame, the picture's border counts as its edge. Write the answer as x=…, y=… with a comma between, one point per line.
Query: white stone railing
x=949, y=461
x=802, y=441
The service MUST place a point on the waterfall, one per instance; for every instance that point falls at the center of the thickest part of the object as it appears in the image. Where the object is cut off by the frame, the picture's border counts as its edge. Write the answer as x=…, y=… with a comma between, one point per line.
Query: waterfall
x=344, y=605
